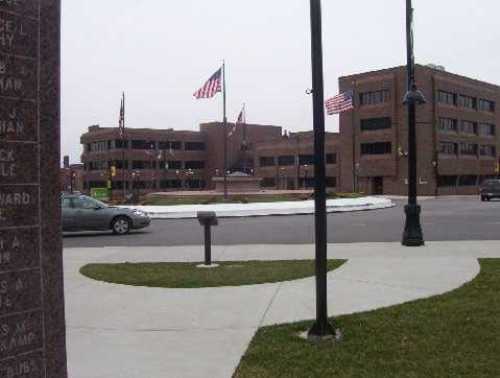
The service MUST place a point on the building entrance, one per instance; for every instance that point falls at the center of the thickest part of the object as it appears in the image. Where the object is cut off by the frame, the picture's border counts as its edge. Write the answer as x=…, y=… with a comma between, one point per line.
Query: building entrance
x=377, y=185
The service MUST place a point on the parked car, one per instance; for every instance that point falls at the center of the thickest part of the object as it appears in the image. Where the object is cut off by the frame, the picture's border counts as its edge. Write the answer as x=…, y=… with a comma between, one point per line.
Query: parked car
x=83, y=213
x=490, y=189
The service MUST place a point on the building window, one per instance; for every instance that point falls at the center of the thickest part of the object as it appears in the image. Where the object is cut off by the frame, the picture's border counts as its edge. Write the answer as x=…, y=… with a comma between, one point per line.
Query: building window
x=447, y=98
x=96, y=184
x=266, y=161
x=286, y=160
x=194, y=165
x=173, y=145
x=378, y=148
x=143, y=145
x=140, y=164
x=374, y=98
x=467, y=102
x=306, y=159
x=448, y=148
x=98, y=146
x=118, y=143
x=194, y=146
x=467, y=180
x=488, y=150
x=119, y=164
x=331, y=158
x=375, y=124
x=468, y=127
x=448, y=125
x=468, y=149
x=331, y=182
x=171, y=164
x=97, y=165
x=447, y=181
x=268, y=182
x=486, y=130
x=486, y=105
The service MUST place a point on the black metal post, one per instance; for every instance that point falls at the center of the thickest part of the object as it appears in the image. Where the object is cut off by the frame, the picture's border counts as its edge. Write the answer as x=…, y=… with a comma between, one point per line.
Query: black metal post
x=321, y=328
x=412, y=235
x=208, y=245
x=224, y=119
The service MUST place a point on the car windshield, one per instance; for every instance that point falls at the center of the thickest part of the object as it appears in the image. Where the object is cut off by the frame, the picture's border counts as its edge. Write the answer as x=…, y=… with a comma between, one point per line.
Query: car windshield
x=491, y=183
x=84, y=202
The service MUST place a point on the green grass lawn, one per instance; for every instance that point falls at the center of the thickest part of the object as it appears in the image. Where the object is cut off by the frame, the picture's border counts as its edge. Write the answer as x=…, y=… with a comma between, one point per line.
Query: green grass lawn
x=187, y=275
x=158, y=200
x=453, y=335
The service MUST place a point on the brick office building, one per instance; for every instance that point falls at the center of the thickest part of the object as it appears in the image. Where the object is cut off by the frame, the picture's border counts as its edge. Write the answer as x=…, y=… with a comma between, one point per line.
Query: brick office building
x=288, y=162
x=161, y=160
x=458, y=143
x=457, y=137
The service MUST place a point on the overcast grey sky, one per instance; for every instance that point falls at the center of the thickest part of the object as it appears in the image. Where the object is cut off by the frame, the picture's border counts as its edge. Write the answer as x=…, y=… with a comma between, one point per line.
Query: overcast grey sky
x=160, y=51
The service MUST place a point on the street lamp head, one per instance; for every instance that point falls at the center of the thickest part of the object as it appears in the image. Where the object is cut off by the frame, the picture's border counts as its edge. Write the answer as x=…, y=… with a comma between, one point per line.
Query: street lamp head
x=414, y=96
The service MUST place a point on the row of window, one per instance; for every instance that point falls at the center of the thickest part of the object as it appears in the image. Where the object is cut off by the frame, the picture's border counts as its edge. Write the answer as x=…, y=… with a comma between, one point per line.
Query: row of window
x=465, y=180
x=144, y=145
x=471, y=149
x=450, y=125
x=143, y=164
x=377, y=148
x=140, y=184
x=287, y=160
x=371, y=124
x=374, y=97
x=466, y=102
x=271, y=182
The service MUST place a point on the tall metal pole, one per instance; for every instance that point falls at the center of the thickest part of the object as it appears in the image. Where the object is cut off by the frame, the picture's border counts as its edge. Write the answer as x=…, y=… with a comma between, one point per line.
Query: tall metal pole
x=321, y=328
x=353, y=127
x=224, y=126
x=412, y=235
x=124, y=178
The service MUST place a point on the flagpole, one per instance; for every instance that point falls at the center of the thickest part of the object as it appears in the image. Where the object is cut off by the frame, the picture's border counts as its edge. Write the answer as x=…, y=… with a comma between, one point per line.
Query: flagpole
x=224, y=125
x=122, y=121
x=244, y=138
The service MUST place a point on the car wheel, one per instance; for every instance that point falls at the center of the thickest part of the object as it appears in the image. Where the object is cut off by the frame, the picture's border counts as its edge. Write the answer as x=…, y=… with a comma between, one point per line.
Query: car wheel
x=120, y=225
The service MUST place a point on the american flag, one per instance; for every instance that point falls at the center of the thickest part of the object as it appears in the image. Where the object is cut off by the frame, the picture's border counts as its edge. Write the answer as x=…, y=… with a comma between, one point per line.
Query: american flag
x=240, y=120
x=121, y=121
x=340, y=103
x=211, y=87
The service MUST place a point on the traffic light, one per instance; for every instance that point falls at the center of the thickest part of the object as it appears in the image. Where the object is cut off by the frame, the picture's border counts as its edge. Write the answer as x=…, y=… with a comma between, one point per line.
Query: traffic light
x=113, y=171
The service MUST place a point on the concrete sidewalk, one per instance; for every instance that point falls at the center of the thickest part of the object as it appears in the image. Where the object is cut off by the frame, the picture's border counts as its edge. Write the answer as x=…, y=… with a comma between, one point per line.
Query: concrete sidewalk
x=121, y=331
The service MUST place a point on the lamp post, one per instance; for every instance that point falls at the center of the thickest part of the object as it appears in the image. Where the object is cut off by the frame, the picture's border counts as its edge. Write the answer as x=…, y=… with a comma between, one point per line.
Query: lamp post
x=412, y=235
x=321, y=328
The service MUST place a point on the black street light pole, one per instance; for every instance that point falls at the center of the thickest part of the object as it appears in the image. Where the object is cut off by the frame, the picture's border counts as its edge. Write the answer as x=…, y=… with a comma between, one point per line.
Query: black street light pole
x=321, y=327
x=412, y=236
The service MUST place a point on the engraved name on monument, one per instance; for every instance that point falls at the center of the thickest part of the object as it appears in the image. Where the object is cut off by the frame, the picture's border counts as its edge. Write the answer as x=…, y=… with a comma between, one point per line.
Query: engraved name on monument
x=27, y=281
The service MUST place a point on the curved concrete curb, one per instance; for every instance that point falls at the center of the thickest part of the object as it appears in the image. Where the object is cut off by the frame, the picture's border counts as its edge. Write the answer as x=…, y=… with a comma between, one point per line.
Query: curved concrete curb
x=265, y=208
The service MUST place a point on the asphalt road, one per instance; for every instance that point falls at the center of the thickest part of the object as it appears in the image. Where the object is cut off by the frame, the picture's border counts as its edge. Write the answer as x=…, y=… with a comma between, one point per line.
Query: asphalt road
x=451, y=218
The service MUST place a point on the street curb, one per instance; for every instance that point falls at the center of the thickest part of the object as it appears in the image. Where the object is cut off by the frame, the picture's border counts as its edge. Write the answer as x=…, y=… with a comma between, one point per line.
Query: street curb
x=190, y=211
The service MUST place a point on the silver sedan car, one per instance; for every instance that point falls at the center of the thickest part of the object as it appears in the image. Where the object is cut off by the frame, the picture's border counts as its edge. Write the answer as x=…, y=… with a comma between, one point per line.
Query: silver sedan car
x=83, y=213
